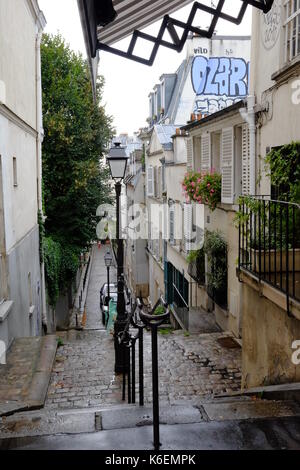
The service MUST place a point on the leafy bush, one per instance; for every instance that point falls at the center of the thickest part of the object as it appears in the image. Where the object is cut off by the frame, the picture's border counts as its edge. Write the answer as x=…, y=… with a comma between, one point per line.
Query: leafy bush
x=52, y=259
x=284, y=166
x=215, y=248
x=204, y=188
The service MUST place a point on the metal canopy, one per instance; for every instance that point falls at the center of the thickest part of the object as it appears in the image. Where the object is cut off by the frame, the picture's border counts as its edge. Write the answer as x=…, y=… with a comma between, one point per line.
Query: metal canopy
x=134, y=15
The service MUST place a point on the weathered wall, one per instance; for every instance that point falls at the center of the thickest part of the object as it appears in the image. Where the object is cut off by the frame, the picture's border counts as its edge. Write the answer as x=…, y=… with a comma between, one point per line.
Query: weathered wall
x=20, y=23
x=268, y=335
x=157, y=283
x=23, y=264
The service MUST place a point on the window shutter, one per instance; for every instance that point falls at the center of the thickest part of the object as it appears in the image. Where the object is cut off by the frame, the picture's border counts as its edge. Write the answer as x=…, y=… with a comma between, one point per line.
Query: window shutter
x=159, y=182
x=189, y=149
x=150, y=181
x=188, y=226
x=228, y=165
x=163, y=178
x=205, y=153
x=155, y=181
x=172, y=225
x=245, y=160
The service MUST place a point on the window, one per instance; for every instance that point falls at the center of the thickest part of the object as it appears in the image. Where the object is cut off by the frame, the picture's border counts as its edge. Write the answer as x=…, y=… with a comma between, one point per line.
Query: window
x=292, y=29
x=15, y=172
x=150, y=178
x=172, y=224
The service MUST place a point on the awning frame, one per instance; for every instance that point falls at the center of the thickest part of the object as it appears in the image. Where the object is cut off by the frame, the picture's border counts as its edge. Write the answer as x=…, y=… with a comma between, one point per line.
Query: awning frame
x=169, y=24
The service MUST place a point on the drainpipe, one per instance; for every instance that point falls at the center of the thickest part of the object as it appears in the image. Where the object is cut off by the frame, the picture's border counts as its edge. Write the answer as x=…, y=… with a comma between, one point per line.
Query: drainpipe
x=40, y=138
x=248, y=114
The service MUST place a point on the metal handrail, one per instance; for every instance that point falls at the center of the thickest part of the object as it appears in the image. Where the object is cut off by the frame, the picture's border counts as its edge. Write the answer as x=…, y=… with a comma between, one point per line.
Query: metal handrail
x=271, y=232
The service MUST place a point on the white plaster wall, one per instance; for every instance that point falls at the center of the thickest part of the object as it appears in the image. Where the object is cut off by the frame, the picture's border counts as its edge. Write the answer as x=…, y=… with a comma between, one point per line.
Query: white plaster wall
x=20, y=203
x=17, y=58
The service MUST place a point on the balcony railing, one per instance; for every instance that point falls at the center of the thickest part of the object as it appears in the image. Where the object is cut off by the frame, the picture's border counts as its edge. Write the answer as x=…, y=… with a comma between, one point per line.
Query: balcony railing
x=269, y=243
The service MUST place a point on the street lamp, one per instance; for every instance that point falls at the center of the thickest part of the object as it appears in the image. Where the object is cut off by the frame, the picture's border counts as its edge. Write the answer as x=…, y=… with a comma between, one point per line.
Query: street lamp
x=117, y=161
x=108, y=260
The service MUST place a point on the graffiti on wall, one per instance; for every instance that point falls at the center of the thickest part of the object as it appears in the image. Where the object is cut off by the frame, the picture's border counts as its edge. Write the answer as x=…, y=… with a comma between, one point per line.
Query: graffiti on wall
x=218, y=82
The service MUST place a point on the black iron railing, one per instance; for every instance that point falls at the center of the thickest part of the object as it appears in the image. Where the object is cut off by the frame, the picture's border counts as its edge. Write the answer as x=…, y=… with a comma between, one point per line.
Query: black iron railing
x=269, y=243
x=137, y=321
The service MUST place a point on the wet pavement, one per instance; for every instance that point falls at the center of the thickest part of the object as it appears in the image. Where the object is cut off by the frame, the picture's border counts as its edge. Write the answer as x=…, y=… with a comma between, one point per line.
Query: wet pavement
x=265, y=434
x=84, y=401
x=98, y=277
x=190, y=367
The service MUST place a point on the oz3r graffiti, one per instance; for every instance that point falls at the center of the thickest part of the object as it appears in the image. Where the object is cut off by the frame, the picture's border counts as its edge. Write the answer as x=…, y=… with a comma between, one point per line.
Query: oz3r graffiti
x=220, y=76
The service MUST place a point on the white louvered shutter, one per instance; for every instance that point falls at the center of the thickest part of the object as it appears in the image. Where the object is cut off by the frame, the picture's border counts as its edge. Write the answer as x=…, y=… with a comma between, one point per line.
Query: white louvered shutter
x=172, y=225
x=188, y=226
x=245, y=160
x=205, y=153
x=189, y=149
x=155, y=177
x=228, y=165
x=159, y=182
x=150, y=181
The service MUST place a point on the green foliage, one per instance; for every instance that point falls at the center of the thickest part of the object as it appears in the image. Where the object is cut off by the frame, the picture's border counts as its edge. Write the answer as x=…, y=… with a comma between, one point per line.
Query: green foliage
x=75, y=177
x=52, y=258
x=284, y=166
x=41, y=235
x=159, y=310
x=215, y=248
x=204, y=188
x=60, y=342
x=166, y=331
x=194, y=255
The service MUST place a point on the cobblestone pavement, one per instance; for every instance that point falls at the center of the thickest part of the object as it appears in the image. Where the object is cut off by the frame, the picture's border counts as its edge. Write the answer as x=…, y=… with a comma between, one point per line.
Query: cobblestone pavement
x=16, y=375
x=98, y=277
x=191, y=367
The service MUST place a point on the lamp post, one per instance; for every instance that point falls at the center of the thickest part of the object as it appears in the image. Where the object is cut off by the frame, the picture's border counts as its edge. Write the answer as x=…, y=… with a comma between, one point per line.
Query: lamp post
x=108, y=260
x=117, y=161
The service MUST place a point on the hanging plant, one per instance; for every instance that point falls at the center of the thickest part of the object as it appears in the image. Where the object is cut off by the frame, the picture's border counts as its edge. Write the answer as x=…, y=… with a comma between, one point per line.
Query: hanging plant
x=203, y=188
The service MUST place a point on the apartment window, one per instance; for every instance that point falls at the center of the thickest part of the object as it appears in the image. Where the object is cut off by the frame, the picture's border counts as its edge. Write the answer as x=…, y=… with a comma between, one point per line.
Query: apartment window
x=15, y=172
x=172, y=224
x=292, y=29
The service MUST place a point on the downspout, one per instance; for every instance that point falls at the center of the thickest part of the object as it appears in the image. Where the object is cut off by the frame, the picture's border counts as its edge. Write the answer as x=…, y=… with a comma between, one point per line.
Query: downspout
x=248, y=114
x=40, y=138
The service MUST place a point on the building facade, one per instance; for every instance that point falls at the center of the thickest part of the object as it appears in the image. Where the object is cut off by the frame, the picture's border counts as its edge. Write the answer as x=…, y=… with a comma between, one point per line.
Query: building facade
x=22, y=292
x=136, y=261
x=270, y=270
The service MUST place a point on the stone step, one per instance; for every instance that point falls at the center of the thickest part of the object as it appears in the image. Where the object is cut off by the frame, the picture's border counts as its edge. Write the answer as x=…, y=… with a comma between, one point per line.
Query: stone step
x=90, y=420
x=288, y=391
x=24, y=380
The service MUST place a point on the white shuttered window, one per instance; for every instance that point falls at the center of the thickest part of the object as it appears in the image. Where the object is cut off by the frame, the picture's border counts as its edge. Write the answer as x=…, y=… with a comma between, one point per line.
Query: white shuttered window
x=228, y=165
x=150, y=179
x=245, y=160
x=189, y=148
x=205, y=152
x=172, y=224
x=188, y=226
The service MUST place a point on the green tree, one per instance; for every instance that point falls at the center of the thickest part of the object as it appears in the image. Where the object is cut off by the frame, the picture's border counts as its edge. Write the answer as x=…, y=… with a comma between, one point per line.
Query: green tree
x=77, y=132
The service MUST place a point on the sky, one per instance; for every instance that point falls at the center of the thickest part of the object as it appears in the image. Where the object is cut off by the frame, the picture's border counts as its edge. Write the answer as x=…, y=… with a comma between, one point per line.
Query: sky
x=128, y=84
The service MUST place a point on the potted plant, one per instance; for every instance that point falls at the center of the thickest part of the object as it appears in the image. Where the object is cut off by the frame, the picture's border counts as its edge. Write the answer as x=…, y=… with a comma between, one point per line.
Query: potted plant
x=203, y=188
